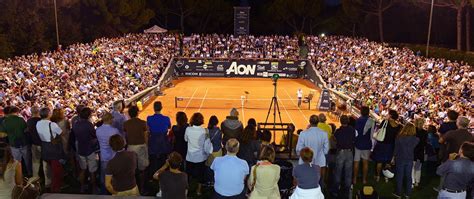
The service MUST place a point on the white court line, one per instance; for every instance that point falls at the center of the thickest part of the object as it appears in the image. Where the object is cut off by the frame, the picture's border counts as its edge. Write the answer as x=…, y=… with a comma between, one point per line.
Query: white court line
x=299, y=109
x=279, y=103
x=186, y=107
x=202, y=102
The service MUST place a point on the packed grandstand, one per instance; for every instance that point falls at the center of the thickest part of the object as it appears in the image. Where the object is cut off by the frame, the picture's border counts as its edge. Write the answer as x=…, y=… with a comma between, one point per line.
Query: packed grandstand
x=377, y=75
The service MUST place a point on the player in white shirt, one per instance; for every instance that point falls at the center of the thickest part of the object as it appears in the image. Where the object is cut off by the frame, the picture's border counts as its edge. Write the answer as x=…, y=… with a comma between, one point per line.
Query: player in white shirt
x=299, y=94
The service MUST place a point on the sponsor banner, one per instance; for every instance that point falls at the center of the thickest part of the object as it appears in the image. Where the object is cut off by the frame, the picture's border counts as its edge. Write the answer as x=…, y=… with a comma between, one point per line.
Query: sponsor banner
x=325, y=103
x=238, y=68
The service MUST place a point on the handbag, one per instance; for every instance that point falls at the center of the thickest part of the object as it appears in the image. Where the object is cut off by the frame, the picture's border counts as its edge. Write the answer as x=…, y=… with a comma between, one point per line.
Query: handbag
x=30, y=190
x=380, y=134
x=52, y=150
x=208, y=144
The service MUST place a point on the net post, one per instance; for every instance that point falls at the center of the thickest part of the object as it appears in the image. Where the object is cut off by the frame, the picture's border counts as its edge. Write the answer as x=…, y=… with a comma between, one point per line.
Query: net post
x=175, y=102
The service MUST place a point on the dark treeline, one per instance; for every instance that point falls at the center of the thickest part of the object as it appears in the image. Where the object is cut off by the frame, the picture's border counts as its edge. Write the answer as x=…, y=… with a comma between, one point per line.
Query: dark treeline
x=28, y=26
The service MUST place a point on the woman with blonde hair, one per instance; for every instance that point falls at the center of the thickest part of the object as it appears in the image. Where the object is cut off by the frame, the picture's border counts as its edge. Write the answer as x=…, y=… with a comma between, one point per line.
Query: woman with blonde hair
x=422, y=135
x=264, y=176
x=11, y=175
x=405, y=144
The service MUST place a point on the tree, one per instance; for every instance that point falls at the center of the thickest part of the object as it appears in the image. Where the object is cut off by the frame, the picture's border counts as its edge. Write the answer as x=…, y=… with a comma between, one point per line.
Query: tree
x=377, y=8
x=211, y=16
x=22, y=28
x=300, y=15
x=353, y=13
x=457, y=5
x=113, y=17
x=179, y=8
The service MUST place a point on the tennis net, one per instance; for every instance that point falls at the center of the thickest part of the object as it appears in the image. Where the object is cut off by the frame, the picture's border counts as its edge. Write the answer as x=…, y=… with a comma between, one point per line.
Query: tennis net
x=227, y=103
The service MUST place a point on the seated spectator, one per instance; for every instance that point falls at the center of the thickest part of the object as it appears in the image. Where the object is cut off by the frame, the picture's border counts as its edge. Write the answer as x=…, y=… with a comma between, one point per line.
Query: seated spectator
x=196, y=156
x=458, y=172
x=229, y=183
x=231, y=127
x=307, y=177
x=264, y=176
x=11, y=175
x=120, y=174
x=86, y=146
x=249, y=146
x=173, y=182
x=252, y=122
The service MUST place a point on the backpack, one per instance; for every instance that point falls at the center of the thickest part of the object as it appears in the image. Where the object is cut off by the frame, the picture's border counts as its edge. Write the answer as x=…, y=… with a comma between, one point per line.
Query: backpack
x=367, y=192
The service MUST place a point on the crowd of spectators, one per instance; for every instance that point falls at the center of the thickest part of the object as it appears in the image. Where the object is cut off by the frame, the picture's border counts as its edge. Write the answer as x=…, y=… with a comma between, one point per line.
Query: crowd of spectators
x=384, y=78
x=245, y=46
x=94, y=74
x=237, y=162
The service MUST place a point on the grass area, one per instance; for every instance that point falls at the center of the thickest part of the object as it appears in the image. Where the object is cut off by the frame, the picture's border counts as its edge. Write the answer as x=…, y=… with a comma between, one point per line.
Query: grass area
x=438, y=52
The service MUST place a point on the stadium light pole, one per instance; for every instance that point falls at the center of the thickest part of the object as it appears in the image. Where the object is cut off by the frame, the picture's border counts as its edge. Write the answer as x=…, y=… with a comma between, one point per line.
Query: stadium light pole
x=56, y=21
x=429, y=29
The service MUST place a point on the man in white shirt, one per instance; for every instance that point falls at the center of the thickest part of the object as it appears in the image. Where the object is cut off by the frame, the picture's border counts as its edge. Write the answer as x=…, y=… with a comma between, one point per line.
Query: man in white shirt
x=52, y=168
x=299, y=94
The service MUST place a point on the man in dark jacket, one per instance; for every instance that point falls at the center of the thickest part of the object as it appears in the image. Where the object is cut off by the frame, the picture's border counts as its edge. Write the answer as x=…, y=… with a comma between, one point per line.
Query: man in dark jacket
x=231, y=127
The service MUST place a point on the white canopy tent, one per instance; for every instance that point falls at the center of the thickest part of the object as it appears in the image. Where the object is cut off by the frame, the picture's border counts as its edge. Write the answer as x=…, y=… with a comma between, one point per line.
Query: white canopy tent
x=155, y=30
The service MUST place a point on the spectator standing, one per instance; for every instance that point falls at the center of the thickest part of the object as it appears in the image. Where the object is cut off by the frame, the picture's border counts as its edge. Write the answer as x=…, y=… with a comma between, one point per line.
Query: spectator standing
x=365, y=127
x=229, y=183
x=307, y=177
x=443, y=129
x=158, y=144
x=317, y=140
x=458, y=172
x=422, y=136
x=86, y=145
x=195, y=136
x=455, y=138
x=137, y=135
x=249, y=146
x=231, y=127
x=120, y=173
x=345, y=138
x=76, y=117
x=330, y=155
x=215, y=135
x=119, y=117
x=35, y=140
x=264, y=176
x=53, y=169
x=179, y=144
x=404, y=154
x=173, y=182
x=11, y=175
x=15, y=126
x=59, y=118
x=383, y=150
x=104, y=133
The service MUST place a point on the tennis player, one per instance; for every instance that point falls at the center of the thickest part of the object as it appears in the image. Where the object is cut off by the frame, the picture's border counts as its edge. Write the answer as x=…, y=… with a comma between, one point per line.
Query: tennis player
x=299, y=94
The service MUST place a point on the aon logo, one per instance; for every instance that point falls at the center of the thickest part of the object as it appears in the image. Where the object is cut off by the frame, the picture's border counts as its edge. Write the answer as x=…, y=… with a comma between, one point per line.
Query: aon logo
x=241, y=69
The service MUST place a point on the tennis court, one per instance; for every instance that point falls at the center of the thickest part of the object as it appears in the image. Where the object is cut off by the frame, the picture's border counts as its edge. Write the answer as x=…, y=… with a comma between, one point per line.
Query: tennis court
x=251, y=96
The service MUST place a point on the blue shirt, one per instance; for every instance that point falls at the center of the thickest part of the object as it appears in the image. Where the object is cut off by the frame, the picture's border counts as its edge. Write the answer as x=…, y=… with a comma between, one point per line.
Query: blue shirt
x=458, y=174
x=229, y=175
x=118, y=121
x=158, y=123
x=85, y=135
x=316, y=139
x=104, y=133
x=363, y=140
